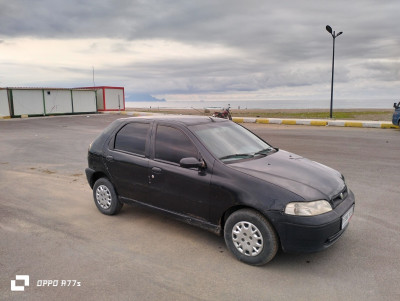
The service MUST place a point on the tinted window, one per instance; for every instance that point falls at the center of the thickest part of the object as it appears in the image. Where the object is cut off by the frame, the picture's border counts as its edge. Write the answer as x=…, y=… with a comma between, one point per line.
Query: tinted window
x=132, y=138
x=173, y=145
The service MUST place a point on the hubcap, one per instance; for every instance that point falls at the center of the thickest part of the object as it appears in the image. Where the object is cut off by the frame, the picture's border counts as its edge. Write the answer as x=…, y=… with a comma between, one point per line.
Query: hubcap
x=247, y=238
x=103, y=196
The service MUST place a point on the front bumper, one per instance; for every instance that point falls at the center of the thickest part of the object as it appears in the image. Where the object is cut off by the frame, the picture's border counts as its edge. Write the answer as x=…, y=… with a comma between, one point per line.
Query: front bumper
x=311, y=233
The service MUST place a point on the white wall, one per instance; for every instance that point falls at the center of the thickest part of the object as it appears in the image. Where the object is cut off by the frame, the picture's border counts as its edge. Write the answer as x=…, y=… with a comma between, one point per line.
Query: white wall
x=28, y=102
x=112, y=99
x=84, y=101
x=58, y=101
x=4, y=109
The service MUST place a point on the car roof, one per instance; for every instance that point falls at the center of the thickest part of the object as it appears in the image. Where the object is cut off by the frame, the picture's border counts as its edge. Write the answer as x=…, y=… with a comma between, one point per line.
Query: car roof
x=179, y=119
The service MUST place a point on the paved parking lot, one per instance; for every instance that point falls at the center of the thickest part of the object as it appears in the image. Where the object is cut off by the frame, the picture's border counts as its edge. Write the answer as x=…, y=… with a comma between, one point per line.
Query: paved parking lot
x=50, y=228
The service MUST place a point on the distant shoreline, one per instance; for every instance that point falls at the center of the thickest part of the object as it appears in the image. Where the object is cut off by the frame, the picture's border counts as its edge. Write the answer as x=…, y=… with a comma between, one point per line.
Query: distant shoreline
x=350, y=114
x=156, y=108
x=338, y=104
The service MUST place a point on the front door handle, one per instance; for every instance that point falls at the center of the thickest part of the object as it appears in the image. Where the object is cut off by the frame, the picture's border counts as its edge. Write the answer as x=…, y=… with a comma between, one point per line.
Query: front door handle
x=156, y=170
x=109, y=158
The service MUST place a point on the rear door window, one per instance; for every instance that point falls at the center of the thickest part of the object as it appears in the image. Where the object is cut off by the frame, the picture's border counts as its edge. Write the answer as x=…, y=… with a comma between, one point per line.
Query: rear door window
x=172, y=145
x=132, y=138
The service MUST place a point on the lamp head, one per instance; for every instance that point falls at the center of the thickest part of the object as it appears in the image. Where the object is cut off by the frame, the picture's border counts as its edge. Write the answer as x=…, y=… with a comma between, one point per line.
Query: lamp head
x=329, y=29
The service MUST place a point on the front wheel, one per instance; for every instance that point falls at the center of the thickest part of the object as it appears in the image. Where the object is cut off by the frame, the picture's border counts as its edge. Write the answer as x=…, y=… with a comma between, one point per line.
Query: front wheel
x=250, y=237
x=105, y=197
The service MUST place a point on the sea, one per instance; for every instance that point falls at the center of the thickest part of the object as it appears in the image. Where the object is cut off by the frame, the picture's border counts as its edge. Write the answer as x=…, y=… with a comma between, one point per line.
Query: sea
x=267, y=104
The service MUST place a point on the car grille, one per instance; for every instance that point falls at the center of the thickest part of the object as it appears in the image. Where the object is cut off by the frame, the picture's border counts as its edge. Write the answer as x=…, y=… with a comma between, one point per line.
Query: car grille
x=337, y=199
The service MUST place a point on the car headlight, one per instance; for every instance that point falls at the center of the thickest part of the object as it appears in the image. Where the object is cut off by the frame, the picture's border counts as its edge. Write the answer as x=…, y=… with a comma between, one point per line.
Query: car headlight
x=308, y=208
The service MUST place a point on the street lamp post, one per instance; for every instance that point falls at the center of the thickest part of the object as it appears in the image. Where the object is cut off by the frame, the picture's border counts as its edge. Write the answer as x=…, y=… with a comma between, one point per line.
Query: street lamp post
x=334, y=36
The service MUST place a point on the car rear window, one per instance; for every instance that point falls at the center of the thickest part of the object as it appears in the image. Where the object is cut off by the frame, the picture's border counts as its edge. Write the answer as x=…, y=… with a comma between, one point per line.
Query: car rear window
x=132, y=138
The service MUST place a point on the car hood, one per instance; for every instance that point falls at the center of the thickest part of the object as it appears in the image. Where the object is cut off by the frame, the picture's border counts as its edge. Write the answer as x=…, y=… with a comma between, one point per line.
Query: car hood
x=306, y=178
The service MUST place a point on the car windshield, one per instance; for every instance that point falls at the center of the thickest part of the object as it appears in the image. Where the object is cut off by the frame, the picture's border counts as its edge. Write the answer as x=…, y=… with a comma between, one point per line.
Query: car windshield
x=229, y=141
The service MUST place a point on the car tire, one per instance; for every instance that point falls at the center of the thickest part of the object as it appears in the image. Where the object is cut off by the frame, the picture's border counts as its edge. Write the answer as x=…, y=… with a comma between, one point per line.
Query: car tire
x=250, y=237
x=105, y=197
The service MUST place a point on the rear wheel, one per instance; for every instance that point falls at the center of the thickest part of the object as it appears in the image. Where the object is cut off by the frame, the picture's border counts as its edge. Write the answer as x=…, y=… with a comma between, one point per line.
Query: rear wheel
x=105, y=197
x=250, y=237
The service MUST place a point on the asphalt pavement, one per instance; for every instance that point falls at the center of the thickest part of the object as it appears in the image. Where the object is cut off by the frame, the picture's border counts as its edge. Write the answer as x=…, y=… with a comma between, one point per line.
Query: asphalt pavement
x=51, y=230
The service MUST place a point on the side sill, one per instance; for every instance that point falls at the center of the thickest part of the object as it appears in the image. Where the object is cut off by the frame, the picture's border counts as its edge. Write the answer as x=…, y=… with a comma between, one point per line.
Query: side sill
x=191, y=220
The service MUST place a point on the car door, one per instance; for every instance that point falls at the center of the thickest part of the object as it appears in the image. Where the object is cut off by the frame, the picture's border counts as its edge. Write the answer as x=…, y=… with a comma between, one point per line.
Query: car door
x=172, y=187
x=126, y=160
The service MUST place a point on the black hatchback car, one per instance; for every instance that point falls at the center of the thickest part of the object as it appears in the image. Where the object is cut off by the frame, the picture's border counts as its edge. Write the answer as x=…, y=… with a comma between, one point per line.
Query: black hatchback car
x=216, y=174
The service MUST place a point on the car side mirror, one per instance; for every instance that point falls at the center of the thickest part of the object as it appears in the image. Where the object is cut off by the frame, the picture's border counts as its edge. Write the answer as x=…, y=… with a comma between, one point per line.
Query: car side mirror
x=395, y=105
x=192, y=162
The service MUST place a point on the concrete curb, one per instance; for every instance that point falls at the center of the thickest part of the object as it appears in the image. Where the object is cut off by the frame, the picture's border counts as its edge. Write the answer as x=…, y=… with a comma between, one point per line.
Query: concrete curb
x=318, y=122
x=310, y=122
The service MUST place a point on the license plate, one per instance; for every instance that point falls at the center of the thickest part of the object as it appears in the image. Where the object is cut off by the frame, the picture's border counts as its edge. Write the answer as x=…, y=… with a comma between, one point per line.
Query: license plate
x=347, y=216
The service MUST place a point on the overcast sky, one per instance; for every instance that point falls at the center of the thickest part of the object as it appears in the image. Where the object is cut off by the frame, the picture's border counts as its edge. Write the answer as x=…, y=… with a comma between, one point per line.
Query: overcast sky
x=192, y=50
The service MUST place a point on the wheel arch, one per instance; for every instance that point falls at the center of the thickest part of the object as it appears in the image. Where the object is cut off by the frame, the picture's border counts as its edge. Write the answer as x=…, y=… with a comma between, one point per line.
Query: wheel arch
x=228, y=212
x=233, y=209
x=97, y=175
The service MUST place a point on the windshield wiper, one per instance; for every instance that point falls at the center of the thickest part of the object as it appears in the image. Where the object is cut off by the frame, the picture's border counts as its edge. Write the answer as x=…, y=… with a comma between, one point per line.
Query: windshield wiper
x=241, y=156
x=265, y=151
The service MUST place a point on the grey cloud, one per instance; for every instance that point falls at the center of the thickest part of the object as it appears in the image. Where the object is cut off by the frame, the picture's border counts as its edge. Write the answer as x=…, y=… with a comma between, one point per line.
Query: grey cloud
x=274, y=37
x=216, y=75
x=383, y=71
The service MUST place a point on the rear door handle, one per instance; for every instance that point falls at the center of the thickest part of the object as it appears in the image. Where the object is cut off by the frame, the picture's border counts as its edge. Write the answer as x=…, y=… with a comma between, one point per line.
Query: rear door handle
x=109, y=158
x=156, y=170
